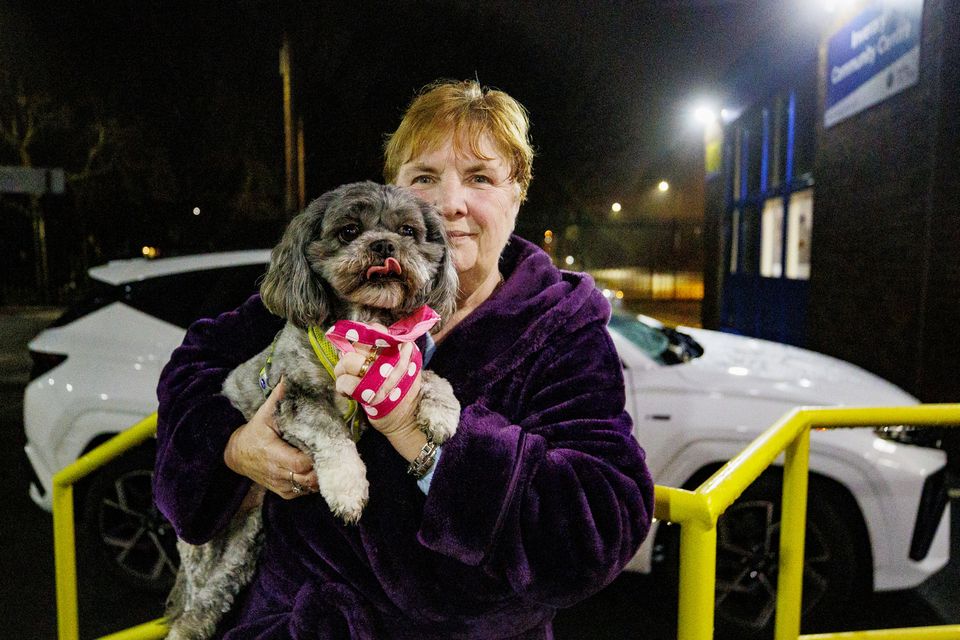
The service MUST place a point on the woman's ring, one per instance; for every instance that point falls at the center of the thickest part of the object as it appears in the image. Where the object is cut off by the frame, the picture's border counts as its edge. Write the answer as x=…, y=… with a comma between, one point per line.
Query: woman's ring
x=297, y=488
x=366, y=363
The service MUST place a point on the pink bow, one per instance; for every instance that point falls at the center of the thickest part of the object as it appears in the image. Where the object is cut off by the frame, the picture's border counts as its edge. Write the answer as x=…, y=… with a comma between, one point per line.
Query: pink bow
x=345, y=333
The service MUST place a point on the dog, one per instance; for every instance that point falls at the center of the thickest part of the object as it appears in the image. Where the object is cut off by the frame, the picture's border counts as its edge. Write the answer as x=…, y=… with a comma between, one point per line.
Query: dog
x=364, y=252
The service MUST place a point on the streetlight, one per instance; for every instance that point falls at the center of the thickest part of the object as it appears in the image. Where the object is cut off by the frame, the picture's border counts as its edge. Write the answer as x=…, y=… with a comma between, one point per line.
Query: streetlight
x=569, y=260
x=704, y=114
x=615, y=207
x=663, y=186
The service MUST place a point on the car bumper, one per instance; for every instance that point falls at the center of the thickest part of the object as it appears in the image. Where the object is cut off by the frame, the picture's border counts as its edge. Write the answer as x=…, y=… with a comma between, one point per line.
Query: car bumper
x=41, y=481
x=911, y=573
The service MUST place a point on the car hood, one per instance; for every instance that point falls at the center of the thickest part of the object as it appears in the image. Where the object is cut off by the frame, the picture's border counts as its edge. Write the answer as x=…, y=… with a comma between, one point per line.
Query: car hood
x=736, y=365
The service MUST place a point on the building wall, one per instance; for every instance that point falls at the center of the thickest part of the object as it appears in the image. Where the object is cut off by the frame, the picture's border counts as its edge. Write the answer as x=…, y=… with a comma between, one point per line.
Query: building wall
x=939, y=376
x=885, y=265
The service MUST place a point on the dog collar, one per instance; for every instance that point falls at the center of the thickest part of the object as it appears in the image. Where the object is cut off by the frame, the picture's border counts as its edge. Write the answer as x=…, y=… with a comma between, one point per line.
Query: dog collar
x=328, y=357
x=346, y=333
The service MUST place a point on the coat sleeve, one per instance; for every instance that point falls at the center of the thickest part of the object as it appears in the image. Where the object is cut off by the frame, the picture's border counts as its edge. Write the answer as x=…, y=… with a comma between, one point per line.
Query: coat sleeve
x=193, y=487
x=555, y=503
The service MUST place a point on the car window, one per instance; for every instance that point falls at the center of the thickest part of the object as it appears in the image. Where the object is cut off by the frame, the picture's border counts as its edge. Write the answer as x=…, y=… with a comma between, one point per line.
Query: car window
x=665, y=345
x=650, y=340
x=184, y=297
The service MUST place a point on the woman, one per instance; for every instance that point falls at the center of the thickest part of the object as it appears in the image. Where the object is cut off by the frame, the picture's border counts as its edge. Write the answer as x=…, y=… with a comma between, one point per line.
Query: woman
x=537, y=502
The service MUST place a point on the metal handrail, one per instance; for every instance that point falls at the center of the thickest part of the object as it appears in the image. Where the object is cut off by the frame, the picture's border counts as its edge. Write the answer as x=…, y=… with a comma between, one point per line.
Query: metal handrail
x=64, y=542
x=696, y=511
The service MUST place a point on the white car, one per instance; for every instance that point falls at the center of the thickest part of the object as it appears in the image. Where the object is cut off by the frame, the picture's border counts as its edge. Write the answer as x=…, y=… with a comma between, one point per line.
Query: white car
x=877, y=518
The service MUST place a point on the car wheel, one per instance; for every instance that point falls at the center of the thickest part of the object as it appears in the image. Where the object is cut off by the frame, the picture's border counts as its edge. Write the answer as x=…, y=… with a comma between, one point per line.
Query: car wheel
x=837, y=564
x=123, y=529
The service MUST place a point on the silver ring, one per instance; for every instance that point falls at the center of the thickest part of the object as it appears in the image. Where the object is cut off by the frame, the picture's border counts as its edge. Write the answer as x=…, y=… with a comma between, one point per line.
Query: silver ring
x=296, y=487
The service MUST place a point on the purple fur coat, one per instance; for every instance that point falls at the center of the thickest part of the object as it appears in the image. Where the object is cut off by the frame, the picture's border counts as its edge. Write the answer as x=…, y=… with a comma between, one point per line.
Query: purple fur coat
x=538, y=501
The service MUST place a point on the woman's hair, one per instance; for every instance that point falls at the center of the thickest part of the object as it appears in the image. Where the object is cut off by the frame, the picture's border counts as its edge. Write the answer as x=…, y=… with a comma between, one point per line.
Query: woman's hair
x=466, y=111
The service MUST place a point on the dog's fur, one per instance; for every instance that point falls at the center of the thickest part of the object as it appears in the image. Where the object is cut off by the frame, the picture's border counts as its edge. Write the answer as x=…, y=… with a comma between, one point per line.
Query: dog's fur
x=318, y=274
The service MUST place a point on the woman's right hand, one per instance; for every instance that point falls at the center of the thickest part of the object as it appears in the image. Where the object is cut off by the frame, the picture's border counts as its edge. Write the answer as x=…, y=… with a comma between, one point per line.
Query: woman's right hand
x=257, y=451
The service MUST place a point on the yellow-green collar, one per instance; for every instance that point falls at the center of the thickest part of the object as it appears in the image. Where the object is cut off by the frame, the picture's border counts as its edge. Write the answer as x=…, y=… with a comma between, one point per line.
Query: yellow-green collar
x=328, y=356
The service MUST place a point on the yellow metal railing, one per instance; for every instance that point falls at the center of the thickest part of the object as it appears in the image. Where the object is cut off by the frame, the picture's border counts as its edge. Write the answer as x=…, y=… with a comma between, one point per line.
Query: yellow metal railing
x=696, y=511
x=64, y=547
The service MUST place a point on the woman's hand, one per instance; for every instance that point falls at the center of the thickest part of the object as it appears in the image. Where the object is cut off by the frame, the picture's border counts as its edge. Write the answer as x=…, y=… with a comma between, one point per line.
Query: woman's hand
x=257, y=451
x=399, y=426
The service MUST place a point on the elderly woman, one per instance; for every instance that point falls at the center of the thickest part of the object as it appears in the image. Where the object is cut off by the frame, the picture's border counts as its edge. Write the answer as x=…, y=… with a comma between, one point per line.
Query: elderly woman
x=538, y=501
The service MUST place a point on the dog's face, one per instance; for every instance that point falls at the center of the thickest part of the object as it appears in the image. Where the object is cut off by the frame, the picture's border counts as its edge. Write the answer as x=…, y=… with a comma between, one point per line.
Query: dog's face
x=363, y=249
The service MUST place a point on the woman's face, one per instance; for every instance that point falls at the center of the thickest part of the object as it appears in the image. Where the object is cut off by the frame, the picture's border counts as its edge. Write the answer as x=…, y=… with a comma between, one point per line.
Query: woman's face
x=478, y=199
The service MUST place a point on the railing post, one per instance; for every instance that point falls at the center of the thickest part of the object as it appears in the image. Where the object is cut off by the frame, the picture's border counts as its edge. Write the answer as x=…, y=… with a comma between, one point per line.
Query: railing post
x=698, y=563
x=65, y=562
x=792, y=529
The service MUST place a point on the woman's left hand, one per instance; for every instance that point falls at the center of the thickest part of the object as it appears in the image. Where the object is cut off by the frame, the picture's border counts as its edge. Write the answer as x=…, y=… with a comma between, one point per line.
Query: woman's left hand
x=399, y=426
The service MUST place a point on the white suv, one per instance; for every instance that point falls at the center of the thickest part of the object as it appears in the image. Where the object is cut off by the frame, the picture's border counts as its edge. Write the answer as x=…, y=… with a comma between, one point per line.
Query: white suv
x=878, y=514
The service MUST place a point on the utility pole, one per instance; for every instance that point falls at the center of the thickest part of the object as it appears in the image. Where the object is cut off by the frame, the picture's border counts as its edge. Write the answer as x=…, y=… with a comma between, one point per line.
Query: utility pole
x=289, y=137
x=301, y=168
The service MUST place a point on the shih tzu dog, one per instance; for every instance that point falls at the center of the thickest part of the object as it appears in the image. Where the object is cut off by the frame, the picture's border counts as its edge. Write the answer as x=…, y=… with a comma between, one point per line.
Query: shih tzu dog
x=363, y=252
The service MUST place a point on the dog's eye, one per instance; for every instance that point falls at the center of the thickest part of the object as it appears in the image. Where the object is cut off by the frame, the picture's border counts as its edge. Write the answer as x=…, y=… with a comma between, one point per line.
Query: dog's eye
x=407, y=230
x=349, y=233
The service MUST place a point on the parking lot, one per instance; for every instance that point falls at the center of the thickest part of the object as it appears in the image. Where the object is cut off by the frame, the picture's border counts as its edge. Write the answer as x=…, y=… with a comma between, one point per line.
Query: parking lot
x=633, y=606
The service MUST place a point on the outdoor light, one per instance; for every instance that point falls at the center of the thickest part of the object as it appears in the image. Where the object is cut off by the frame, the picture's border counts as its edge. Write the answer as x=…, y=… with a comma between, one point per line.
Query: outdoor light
x=704, y=115
x=149, y=252
x=196, y=211
x=663, y=186
x=547, y=236
x=568, y=260
x=831, y=6
x=615, y=207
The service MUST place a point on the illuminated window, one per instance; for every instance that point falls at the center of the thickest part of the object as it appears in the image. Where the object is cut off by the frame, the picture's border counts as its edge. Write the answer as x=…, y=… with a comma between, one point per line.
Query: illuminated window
x=800, y=224
x=771, y=238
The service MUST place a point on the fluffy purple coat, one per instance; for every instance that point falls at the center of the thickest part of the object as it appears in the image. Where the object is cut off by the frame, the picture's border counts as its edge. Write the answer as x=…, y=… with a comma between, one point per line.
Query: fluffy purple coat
x=539, y=500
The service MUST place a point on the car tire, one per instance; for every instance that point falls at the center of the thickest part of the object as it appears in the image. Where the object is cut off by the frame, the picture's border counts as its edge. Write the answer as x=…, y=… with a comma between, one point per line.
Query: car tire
x=122, y=530
x=837, y=566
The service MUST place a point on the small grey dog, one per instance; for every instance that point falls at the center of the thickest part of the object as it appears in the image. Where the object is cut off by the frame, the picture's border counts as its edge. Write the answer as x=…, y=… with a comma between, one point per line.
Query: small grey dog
x=329, y=265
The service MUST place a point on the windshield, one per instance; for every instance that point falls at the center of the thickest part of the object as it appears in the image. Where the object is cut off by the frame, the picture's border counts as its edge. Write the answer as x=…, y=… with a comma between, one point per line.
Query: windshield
x=665, y=345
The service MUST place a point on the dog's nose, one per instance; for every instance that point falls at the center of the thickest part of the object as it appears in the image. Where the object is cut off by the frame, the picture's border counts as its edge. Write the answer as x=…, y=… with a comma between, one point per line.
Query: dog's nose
x=383, y=248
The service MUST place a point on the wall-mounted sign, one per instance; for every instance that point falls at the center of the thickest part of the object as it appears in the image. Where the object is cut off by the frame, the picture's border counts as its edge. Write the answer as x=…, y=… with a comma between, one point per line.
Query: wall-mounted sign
x=874, y=55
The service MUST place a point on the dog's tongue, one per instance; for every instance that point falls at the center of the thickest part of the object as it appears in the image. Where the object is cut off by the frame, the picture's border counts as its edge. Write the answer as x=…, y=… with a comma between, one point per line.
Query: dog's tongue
x=389, y=266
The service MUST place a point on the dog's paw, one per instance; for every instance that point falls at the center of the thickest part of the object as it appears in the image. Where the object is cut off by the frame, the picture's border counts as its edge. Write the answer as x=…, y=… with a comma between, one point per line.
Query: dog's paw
x=439, y=412
x=348, y=508
x=344, y=486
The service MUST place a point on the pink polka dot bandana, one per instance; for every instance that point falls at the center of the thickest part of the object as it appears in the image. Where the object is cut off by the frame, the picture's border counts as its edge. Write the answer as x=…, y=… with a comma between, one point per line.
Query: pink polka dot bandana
x=344, y=334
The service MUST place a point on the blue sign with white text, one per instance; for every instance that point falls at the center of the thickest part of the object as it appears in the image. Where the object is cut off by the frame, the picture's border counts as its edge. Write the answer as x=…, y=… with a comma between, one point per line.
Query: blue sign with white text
x=872, y=57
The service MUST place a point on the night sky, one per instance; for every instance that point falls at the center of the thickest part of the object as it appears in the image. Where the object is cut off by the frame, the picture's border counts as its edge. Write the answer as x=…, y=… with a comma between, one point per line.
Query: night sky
x=609, y=85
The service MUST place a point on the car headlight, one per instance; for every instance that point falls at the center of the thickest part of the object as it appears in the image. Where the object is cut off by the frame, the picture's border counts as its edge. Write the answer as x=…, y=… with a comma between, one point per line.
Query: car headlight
x=931, y=437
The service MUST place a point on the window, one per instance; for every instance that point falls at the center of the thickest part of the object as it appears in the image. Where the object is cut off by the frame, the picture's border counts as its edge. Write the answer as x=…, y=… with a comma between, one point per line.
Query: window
x=184, y=297
x=778, y=142
x=753, y=141
x=734, y=241
x=771, y=238
x=800, y=224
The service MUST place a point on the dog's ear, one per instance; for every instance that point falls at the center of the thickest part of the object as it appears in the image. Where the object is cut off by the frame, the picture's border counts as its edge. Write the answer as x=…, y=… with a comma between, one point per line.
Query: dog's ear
x=291, y=289
x=442, y=297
